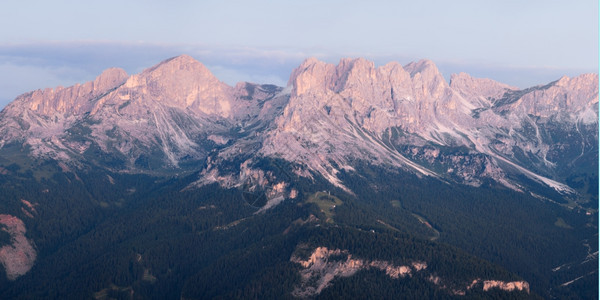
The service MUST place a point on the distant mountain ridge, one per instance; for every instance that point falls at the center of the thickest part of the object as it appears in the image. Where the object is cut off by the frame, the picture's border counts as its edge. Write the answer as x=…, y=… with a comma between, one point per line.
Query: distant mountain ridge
x=468, y=130
x=353, y=181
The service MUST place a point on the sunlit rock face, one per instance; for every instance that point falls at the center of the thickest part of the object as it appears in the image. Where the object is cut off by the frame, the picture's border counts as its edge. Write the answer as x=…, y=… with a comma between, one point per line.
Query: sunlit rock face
x=44, y=113
x=355, y=110
x=73, y=100
x=18, y=257
x=469, y=130
x=181, y=82
x=324, y=266
x=506, y=286
x=174, y=111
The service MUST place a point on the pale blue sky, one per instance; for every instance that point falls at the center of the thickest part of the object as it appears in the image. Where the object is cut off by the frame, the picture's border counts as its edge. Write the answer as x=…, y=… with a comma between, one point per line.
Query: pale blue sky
x=523, y=43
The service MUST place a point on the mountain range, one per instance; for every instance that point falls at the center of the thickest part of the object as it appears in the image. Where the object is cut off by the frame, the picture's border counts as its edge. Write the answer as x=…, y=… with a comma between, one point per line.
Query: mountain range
x=390, y=152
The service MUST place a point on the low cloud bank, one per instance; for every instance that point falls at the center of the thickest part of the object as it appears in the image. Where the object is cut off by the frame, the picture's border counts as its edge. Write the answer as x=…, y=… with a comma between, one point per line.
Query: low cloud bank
x=27, y=67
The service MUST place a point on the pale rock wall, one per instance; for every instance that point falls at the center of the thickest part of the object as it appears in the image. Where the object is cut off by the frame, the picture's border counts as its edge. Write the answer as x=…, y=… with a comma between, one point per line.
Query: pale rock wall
x=325, y=265
x=337, y=113
x=18, y=257
x=506, y=286
x=328, y=117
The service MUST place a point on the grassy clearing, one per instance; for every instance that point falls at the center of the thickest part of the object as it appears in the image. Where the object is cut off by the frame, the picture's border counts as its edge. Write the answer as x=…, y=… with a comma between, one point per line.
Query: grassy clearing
x=16, y=158
x=326, y=204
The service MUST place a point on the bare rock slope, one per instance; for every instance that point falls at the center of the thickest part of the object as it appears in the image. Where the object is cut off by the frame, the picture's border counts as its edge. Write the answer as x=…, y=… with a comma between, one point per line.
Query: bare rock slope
x=330, y=116
x=408, y=116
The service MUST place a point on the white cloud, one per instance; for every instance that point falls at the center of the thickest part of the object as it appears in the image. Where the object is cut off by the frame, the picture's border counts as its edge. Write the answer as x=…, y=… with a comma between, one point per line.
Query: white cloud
x=17, y=79
x=28, y=67
x=232, y=76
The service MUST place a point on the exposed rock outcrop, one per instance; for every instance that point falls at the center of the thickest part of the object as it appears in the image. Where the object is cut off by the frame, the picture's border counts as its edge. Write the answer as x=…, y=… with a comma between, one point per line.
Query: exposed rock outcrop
x=354, y=110
x=18, y=257
x=329, y=117
x=176, y=110
x=506, y=286
x=325, y=265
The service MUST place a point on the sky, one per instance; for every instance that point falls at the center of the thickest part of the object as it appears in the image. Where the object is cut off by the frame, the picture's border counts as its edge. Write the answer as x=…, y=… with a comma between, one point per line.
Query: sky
x=522, y=43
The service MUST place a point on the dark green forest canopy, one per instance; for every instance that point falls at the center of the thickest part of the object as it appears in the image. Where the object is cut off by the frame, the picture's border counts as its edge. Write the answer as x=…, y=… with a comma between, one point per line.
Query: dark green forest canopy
x=101, y=234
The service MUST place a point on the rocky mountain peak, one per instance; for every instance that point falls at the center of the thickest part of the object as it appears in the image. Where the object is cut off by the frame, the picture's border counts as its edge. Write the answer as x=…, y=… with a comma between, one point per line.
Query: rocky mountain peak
x=73, y=100
x=464, y=81
x=478, y=91
x=333, y=114
x=353, y=72
x=177, y=64
x=571, y=99
x=423, y=66
x=354, y=65
x=312, y=75
x=349, y=74
x=109, y=79
x=428, y=82
x=181, y=82
x=583, y=81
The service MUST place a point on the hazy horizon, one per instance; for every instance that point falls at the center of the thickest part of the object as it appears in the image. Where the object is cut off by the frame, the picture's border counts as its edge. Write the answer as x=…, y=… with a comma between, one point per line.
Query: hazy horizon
x=521, y=44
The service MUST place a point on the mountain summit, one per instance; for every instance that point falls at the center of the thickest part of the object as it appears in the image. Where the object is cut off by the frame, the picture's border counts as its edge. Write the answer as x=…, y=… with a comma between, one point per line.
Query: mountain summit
x=402, y=116
x=396, y=115
x=350, y=182
x=182, y=82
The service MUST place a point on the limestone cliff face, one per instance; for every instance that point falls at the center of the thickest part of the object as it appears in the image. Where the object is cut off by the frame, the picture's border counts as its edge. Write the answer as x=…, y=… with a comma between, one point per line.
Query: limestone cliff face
x=18, y=257
x=415, y=97
x=169, y=107
x=325, y=265
x=343, y=111
x=568, y=99
x=354, y=110
x=377, y=97
x=478, y=91
x=165, y=113
x=327, y=118
x=506, y=286
x=50, y=111
x=180, y=82
x=72, y=100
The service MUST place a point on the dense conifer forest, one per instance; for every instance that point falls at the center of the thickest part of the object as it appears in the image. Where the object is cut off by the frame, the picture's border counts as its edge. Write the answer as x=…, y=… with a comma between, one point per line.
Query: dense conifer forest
x=107, y=235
